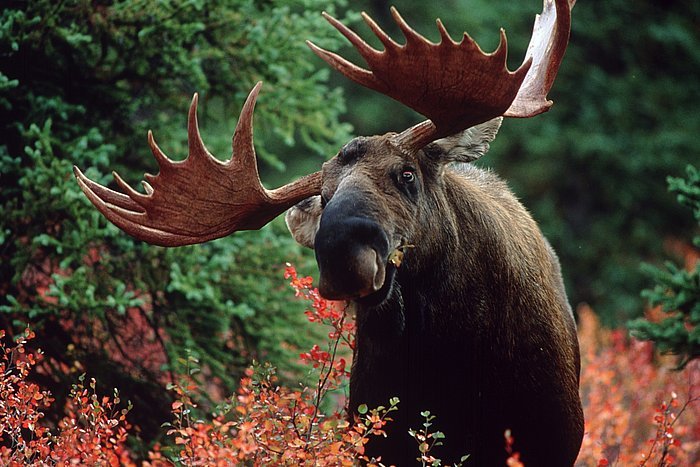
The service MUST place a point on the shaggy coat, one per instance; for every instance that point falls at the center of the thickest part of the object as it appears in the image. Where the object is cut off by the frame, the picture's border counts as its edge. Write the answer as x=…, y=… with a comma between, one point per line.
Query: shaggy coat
x=473, y=325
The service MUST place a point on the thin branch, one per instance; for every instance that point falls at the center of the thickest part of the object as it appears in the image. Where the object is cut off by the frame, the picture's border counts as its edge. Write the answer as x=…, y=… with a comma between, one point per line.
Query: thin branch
x=322, y=382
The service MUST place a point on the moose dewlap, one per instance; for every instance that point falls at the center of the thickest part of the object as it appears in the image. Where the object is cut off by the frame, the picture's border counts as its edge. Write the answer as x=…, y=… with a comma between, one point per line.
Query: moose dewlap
x=461, y=308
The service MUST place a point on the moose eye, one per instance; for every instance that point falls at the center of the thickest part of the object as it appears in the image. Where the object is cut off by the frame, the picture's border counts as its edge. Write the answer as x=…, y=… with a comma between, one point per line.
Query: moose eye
x=408, y=176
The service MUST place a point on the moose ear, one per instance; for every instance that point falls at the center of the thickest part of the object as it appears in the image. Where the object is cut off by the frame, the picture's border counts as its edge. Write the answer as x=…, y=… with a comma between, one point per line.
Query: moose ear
x=467, y=145
x=303, y=219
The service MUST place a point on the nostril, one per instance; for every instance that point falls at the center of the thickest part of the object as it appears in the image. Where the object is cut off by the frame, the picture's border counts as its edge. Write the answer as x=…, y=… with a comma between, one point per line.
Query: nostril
x=370, y=267
x=362, y=274
x=380, y=273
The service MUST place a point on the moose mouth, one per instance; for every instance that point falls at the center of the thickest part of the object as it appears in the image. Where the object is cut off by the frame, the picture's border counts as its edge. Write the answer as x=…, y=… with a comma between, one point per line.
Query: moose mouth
x=367, y=280
x=361, y=272
x=380, y=296
x=352, y=251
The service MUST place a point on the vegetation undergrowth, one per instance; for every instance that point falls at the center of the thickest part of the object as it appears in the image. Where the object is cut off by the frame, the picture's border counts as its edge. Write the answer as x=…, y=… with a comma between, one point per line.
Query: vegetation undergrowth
x=638, y=410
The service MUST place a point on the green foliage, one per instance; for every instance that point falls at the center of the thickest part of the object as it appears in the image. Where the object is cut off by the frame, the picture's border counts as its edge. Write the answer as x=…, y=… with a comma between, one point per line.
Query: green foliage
x=428, y=440
x=622, y=124
x=80, y=82
x=677, y=290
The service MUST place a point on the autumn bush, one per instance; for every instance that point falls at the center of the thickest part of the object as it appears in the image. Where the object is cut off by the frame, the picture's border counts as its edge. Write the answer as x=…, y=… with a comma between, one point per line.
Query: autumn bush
x=639, y=411
x=92, y=432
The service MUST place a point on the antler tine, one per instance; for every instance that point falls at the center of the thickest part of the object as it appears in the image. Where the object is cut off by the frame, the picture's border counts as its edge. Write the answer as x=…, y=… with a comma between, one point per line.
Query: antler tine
x=99, y=194
x=200, y=198
x=160, y=157
x=411, y=35
x=242, y=141
x=386, y=40
x=444, y=35
x=194, y=138
x=366, y=50
x=349, y=69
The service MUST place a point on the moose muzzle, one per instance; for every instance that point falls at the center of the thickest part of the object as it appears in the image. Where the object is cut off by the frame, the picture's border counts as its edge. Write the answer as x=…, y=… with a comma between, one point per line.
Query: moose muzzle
x=351, y=250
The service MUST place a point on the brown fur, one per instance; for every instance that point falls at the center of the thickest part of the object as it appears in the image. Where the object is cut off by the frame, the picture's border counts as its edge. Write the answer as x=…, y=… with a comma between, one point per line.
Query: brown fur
x=476, y=327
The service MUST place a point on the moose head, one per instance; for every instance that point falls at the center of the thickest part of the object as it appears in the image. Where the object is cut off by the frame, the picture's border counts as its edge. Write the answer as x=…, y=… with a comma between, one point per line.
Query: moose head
x=411, y=198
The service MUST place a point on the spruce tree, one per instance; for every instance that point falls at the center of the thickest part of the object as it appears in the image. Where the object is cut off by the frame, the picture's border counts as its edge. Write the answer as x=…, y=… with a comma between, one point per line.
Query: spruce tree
x=81, y=83
x=677, y=289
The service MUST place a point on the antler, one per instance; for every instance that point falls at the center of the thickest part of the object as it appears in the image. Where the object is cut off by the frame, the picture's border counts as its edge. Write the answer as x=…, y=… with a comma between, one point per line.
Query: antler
x=550, y=36
x=457, y=85
x=200, y=198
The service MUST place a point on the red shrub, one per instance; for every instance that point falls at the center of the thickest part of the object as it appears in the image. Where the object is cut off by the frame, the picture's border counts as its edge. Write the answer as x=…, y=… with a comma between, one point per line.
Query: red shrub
x=93, y=432
x=278, y=425
x=638, y=410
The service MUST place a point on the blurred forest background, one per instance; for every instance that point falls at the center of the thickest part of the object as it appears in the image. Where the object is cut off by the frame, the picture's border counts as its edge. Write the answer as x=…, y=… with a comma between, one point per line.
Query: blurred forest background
x=81, y=82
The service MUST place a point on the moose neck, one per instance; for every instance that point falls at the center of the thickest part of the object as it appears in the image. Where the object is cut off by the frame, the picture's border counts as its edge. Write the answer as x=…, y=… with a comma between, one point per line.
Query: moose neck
x=485, y=247
x=463, y=322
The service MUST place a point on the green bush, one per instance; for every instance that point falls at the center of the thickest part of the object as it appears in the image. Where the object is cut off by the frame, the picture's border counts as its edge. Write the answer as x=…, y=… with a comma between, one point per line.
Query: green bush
x=677, y=289
x=80, y=83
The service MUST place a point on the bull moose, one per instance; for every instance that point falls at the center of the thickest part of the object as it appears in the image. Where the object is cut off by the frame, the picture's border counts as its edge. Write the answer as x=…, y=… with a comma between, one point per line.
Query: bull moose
x=460, y=305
